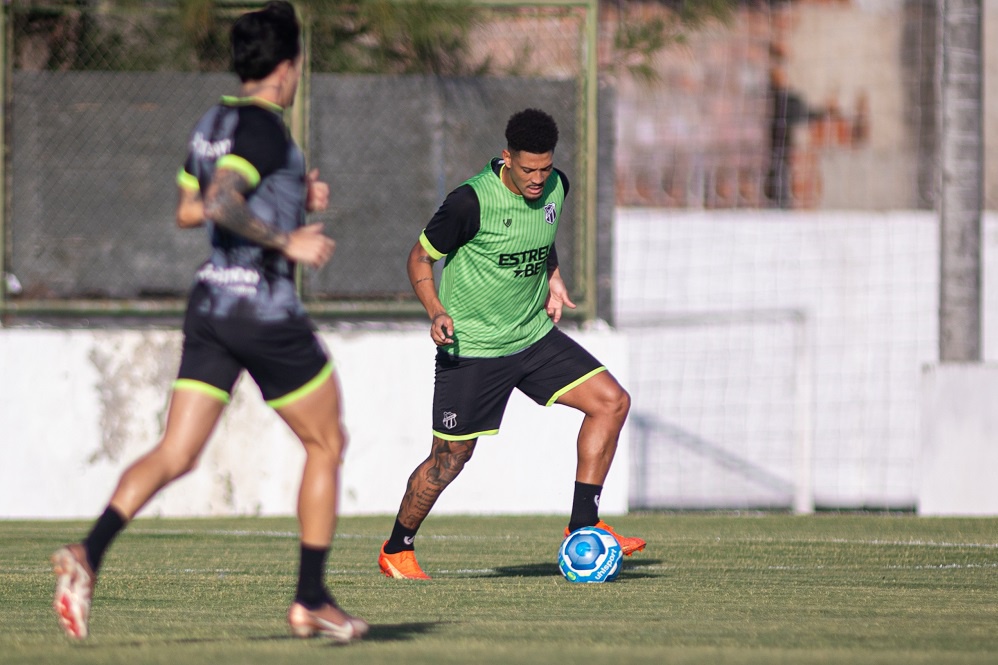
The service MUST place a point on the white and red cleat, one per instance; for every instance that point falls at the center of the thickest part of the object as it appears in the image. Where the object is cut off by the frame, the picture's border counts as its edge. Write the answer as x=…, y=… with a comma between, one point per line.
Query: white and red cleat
x=74, y=588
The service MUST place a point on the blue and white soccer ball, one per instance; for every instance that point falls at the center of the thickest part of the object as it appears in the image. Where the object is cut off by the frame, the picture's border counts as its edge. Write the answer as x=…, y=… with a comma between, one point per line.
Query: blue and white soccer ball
x=590, y=555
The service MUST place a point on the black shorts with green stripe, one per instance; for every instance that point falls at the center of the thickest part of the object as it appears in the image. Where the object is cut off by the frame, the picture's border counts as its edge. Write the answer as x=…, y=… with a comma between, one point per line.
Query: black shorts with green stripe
x=470, y=394
x=285, y=358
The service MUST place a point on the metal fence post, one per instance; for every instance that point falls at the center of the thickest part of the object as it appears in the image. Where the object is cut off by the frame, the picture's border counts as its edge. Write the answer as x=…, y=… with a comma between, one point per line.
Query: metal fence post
x=961, y=193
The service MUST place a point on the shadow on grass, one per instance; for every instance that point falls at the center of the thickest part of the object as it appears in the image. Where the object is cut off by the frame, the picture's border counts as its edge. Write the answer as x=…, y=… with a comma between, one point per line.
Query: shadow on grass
x=388, y=632
x=631, y=569
x=543, y=569
x=399, y=632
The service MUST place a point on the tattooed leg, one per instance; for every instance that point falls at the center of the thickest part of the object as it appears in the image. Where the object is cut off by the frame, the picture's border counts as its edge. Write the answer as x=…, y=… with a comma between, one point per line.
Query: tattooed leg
x=446, y=460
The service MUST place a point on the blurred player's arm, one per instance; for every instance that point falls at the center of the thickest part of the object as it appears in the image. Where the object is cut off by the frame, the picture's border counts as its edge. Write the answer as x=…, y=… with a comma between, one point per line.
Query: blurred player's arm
x=316, y=193
x=225, y=205
x=190, y=206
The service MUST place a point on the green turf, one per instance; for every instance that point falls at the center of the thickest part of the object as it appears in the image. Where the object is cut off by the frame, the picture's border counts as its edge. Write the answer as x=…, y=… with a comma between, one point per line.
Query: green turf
x=709, y=589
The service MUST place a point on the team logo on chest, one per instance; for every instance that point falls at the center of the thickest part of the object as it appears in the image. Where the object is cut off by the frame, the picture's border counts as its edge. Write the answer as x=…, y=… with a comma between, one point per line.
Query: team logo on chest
x=508, y=221
x=550, y=213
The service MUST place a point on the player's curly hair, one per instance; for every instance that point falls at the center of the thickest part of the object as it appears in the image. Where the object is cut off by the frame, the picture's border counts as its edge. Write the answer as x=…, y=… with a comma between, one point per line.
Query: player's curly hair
x=263, y=39
x=531, y=130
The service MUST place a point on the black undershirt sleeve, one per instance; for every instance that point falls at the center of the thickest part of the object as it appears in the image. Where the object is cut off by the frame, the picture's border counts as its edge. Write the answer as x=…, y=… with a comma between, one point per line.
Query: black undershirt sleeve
x=552, y=263
x=456, y=221
x=564, y=181
x=552, y=259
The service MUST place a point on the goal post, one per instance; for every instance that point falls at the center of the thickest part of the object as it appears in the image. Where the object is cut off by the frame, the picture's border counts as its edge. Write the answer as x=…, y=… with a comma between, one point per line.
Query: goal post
x=722, y=410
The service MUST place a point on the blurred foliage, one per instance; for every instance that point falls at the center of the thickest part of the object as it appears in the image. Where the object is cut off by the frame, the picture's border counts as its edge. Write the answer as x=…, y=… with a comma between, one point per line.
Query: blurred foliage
x=643, y=28
x=381, y=36
x=119, y=35
x=359, y=36
x=206, y=32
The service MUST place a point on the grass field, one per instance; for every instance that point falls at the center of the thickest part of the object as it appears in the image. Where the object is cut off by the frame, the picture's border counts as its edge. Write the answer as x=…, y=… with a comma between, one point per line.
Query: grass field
x=708, y=589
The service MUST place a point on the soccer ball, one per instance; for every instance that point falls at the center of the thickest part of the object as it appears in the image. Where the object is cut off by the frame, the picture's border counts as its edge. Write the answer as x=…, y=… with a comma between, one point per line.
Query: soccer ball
x=590, y=555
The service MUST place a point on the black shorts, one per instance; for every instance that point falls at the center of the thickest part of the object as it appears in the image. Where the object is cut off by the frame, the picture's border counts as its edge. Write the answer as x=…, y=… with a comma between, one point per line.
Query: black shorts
x=470, y=394
x=285, y=358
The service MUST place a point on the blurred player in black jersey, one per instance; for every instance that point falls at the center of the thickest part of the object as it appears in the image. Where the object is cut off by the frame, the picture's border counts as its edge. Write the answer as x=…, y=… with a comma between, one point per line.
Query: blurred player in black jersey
x=245, y=180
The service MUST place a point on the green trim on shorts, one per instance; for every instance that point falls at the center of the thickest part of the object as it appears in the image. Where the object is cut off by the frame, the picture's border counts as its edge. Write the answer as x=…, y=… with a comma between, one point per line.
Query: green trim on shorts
x=204, y=388
x=464, y=437
x=241, y=166
x=581, y=379
x=306, y=389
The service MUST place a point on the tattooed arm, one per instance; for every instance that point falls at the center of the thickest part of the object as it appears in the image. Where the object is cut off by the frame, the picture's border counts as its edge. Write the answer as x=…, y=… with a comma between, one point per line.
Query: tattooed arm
x=420, y=269
x=225, y=205
x=454, y=224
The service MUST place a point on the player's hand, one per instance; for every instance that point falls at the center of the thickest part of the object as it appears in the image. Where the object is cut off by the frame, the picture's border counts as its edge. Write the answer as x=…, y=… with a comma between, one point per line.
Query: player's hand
x=442, y=329
x=317, y=192
x=557, y=297
x=308, y=245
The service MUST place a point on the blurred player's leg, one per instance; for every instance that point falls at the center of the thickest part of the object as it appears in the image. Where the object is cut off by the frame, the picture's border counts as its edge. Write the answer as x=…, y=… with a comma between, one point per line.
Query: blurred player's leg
x=315, y=419
x=189, y=423
x=73, y=589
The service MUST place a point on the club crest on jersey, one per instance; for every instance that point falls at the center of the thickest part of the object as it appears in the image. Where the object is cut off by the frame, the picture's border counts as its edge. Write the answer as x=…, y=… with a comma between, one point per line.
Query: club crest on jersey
x=450, y=420
x=508, y=222
x=550, y=213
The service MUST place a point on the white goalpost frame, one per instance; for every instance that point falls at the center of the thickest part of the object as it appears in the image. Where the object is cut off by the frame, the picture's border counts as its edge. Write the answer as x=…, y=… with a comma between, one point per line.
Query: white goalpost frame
x=802, y=460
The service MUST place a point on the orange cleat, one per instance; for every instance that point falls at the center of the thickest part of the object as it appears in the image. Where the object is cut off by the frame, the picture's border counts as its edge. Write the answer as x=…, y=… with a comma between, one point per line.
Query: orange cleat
x=628, y=545
x=401, y=566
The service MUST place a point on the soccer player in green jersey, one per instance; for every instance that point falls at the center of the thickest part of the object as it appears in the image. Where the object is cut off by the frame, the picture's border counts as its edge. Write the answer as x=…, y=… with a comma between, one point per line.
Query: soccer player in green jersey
x=493, y=321
x=244, y=179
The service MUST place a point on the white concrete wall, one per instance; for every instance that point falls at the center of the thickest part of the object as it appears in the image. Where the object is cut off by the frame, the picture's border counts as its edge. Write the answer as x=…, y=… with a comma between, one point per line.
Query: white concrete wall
x=770, y=330
x=959, y=455
x=709, y=301
x=77, y=406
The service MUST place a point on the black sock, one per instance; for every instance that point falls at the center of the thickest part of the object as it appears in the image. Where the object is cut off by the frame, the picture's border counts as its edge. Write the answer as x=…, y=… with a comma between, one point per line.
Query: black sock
x=585, y=506
x=401, y=539
x=108, y=525
x=311, y=591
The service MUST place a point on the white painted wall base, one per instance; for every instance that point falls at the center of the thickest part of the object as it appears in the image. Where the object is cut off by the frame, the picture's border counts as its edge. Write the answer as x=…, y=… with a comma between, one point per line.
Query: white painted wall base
x=959, y=440
x=77, y=406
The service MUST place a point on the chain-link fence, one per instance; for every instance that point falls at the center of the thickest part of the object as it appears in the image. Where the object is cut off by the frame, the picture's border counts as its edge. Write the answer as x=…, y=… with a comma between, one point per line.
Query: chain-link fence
x=395, y=110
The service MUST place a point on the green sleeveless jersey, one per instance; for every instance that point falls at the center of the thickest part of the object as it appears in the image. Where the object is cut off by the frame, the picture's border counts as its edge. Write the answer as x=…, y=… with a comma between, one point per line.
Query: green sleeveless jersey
x=494, y=286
